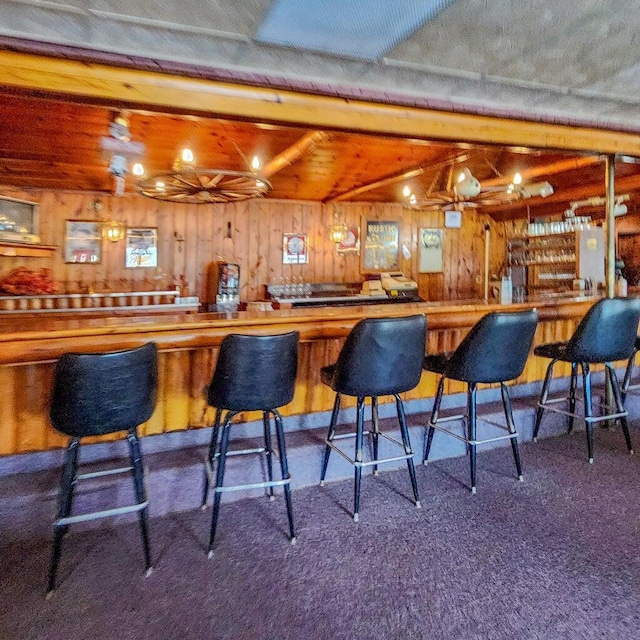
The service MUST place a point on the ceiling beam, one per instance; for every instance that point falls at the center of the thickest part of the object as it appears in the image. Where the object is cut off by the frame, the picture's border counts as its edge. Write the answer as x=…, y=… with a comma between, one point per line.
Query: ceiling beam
x=549, y=170
x=307, y=143
x=398, y=177
x=85, y=81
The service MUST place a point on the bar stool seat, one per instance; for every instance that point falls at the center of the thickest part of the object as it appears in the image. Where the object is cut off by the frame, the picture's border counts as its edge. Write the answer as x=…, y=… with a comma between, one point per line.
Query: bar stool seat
x=494, y=351
x=253, y=373
x=98, y=394
x=608, y=332
x=381, y=356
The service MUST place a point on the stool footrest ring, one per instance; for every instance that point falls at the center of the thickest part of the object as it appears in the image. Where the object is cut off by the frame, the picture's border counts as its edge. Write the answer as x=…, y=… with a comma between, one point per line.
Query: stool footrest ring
x=95, y=515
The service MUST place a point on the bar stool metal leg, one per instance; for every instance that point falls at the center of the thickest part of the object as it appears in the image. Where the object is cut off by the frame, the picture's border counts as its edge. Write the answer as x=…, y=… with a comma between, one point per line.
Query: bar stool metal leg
x=213, y=445
x=471, y=413
x=268, y=451
x=588, y=410
x=330, y=436
x=222, y=459
x=434, y=419
x=138, y=480
x=508, y=414
x=64, y=509
x=617, y=397
x=572, y=396
x=627, y=376
x=402, y=419
x=375, y=431
x=358, y=458
x=543, y=399
x=284, y=467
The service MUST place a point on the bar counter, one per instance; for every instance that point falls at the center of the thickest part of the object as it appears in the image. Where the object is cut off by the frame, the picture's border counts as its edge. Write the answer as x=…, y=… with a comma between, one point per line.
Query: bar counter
x=188, y=346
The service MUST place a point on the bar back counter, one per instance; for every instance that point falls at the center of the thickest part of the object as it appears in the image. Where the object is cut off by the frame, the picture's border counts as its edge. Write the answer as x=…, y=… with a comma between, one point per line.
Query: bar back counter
x=188, y=346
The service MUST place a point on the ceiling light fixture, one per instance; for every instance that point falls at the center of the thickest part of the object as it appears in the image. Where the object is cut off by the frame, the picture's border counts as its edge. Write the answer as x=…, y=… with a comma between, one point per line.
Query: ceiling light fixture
x=466, y=185
x=192, y=185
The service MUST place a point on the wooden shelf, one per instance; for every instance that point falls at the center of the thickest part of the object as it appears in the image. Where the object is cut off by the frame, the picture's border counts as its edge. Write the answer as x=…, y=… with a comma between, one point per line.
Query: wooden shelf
x=18, y=249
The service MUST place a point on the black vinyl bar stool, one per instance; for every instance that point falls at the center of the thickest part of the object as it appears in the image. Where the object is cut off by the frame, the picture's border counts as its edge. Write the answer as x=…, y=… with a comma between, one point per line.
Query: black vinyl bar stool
x=381, y=356
x=494, y=351
x=606, y=333
x=253, y=373
x=626, y=384
x=95, y=394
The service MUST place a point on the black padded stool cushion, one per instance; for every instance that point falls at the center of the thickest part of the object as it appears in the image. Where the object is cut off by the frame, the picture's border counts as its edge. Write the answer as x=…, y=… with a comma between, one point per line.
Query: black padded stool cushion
x=381, y=356
x=607, y=332
x=254, y=373
x=437, y=363
x=495, y=350
x=98, y=393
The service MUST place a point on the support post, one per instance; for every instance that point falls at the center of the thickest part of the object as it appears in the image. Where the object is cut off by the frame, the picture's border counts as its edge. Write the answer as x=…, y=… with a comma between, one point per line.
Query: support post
x=610, y=191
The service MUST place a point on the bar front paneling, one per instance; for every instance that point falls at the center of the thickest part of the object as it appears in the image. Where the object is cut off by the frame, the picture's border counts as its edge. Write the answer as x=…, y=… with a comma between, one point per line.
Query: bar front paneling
x=188, y=351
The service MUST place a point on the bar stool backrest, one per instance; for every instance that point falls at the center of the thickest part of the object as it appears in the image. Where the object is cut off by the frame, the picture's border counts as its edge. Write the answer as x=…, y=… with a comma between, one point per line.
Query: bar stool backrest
x=496, y=348
x=254, y=372
x=382, y=356
x=98, y=393
x=607, y=332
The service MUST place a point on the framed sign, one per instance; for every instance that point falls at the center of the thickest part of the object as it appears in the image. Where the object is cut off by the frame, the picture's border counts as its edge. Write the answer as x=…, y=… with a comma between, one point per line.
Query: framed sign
x=431, y=241
x=380, y=247
x=294, y=248
x=141, y=249
x=351, y=243
x=18, y=218
x=83, y=242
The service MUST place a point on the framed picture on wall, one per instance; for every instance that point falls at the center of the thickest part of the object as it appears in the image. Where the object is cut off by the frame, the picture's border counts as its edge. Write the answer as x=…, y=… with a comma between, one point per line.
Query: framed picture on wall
x=141, y=247
x=19, y=220
x=351, y=244
x=380, y=246
x=294, y=248
x=431, y=241
x=83, y=242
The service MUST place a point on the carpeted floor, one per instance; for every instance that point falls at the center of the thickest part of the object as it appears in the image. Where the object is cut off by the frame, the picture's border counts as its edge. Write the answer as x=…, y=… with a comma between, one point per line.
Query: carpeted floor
x=554, y=557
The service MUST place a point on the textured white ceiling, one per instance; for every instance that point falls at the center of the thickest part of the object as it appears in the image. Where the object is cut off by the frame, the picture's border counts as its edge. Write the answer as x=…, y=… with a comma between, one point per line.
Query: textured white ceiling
x=564, y=60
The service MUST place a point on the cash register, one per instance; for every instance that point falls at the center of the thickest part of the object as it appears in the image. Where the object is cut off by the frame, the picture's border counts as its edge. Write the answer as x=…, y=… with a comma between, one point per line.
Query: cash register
x=396, y=284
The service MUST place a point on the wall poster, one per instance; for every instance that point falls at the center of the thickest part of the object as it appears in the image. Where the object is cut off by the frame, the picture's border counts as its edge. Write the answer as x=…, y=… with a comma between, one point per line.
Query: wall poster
x=380, y=247
x=141, y=249
x=82, y=242
x=295, y=249
x=431, y=241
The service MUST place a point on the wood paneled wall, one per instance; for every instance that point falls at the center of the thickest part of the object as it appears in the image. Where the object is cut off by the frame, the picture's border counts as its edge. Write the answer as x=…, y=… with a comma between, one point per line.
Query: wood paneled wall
x=191, y=237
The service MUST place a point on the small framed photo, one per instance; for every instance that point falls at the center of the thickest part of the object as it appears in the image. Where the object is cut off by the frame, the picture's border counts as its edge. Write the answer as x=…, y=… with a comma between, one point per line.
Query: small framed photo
x=83, y=242
x=141, y=247
x=294, y=248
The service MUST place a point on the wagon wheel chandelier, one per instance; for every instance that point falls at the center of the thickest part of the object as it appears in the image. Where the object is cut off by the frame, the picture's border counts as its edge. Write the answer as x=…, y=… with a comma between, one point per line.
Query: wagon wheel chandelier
x=190, y=184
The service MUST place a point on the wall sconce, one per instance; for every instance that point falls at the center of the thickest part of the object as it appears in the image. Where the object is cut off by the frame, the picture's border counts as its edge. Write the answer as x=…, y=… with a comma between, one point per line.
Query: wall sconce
x=338, y=230
x=113, y=230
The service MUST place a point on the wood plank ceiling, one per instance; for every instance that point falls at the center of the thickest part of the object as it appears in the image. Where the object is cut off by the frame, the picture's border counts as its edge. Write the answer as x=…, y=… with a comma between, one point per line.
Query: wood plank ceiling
x=51, y=144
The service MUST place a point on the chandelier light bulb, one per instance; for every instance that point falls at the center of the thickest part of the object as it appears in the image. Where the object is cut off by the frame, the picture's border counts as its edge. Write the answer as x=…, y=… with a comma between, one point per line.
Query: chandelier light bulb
x=406, y=192
x=187, y=155
x=256, y=163
x=138, y=169
x=517, y=178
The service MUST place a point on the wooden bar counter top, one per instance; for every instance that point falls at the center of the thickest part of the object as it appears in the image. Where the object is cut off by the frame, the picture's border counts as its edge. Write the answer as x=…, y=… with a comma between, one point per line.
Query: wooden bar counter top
x=188, y=346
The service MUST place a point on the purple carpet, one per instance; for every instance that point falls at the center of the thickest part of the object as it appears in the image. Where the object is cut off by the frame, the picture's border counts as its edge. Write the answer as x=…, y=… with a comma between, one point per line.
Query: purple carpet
x=551, y=558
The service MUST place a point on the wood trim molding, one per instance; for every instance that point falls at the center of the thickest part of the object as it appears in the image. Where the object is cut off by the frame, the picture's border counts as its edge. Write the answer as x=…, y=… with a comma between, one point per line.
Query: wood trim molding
x=82, y=81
